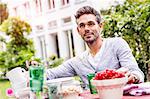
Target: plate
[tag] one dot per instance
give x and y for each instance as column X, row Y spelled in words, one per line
column 64, row 79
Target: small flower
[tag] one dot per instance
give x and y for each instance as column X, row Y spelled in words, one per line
column 9, row 92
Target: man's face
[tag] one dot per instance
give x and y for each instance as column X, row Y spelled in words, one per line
column 88, row 27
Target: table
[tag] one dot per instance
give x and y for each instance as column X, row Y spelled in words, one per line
column 87, row 95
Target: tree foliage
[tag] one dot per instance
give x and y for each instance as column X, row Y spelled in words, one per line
column 132, row 22
column 19, row 48
column 3, row 12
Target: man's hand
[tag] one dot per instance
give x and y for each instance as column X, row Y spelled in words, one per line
column 132, row 78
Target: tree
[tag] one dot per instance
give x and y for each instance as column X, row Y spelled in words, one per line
column 3, row 12
column 132, row 22
column 19, row 48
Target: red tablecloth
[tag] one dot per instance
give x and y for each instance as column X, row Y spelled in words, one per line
column 87, row 95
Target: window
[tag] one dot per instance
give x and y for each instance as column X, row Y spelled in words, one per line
column 79, row 1
column 66, row 20
column 39, row 27
column 42, row 44
column 51, row 4
column 27, row 9
column 38, row 6
column 52, row 24
column 64, row 2
column 15, row 11
column 55, row 43
column 70, row 43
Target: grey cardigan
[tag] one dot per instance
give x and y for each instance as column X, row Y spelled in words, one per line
column 115, row 53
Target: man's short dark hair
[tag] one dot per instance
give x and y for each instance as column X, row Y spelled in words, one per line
column 88, row 10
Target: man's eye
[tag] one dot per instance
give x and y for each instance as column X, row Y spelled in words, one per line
column 81, row 25
column 91, row 24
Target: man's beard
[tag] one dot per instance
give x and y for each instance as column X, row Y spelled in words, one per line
column 91, row 41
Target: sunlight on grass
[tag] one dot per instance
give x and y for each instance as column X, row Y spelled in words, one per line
column 4, row 84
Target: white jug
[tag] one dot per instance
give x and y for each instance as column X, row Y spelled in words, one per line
column 16, row 75
column 18, row 80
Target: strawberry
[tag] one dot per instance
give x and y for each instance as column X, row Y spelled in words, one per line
column 108, row 74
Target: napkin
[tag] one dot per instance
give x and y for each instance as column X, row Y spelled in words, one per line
column 137, row 89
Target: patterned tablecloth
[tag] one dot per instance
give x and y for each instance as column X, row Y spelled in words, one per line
column 87, row 95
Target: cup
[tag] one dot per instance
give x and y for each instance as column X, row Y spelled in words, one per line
column 53, row 90
column 91, row 87
column 36, row 78
column 16, row 75
column 55, row 86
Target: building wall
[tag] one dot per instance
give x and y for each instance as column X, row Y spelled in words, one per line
column 54, row 30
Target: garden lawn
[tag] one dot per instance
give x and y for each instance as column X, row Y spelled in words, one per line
column 4, row 84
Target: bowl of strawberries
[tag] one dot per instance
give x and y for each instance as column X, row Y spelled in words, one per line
column 109, row 84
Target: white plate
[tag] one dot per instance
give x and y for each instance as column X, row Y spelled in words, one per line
column 64, row 79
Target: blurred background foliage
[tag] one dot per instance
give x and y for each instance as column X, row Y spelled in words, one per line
column 132, row 22
column 19, row 48
column 54, row 61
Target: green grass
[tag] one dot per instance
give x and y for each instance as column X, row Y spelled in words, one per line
column 4, row 84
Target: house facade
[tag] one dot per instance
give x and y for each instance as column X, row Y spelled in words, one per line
column 53, row 24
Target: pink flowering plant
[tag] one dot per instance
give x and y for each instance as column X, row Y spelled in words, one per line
column 9, row 92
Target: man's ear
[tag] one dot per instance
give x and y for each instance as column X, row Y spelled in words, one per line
column 101, row 25
column 78, row 30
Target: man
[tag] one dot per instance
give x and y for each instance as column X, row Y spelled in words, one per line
column 112, row 53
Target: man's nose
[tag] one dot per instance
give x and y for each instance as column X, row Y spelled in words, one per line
column 86, row 27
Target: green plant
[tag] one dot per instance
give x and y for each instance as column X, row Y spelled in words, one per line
column 132, row 22
column 18, row 48
column 54, row 61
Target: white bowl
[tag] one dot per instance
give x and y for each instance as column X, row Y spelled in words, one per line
column 110, row 88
